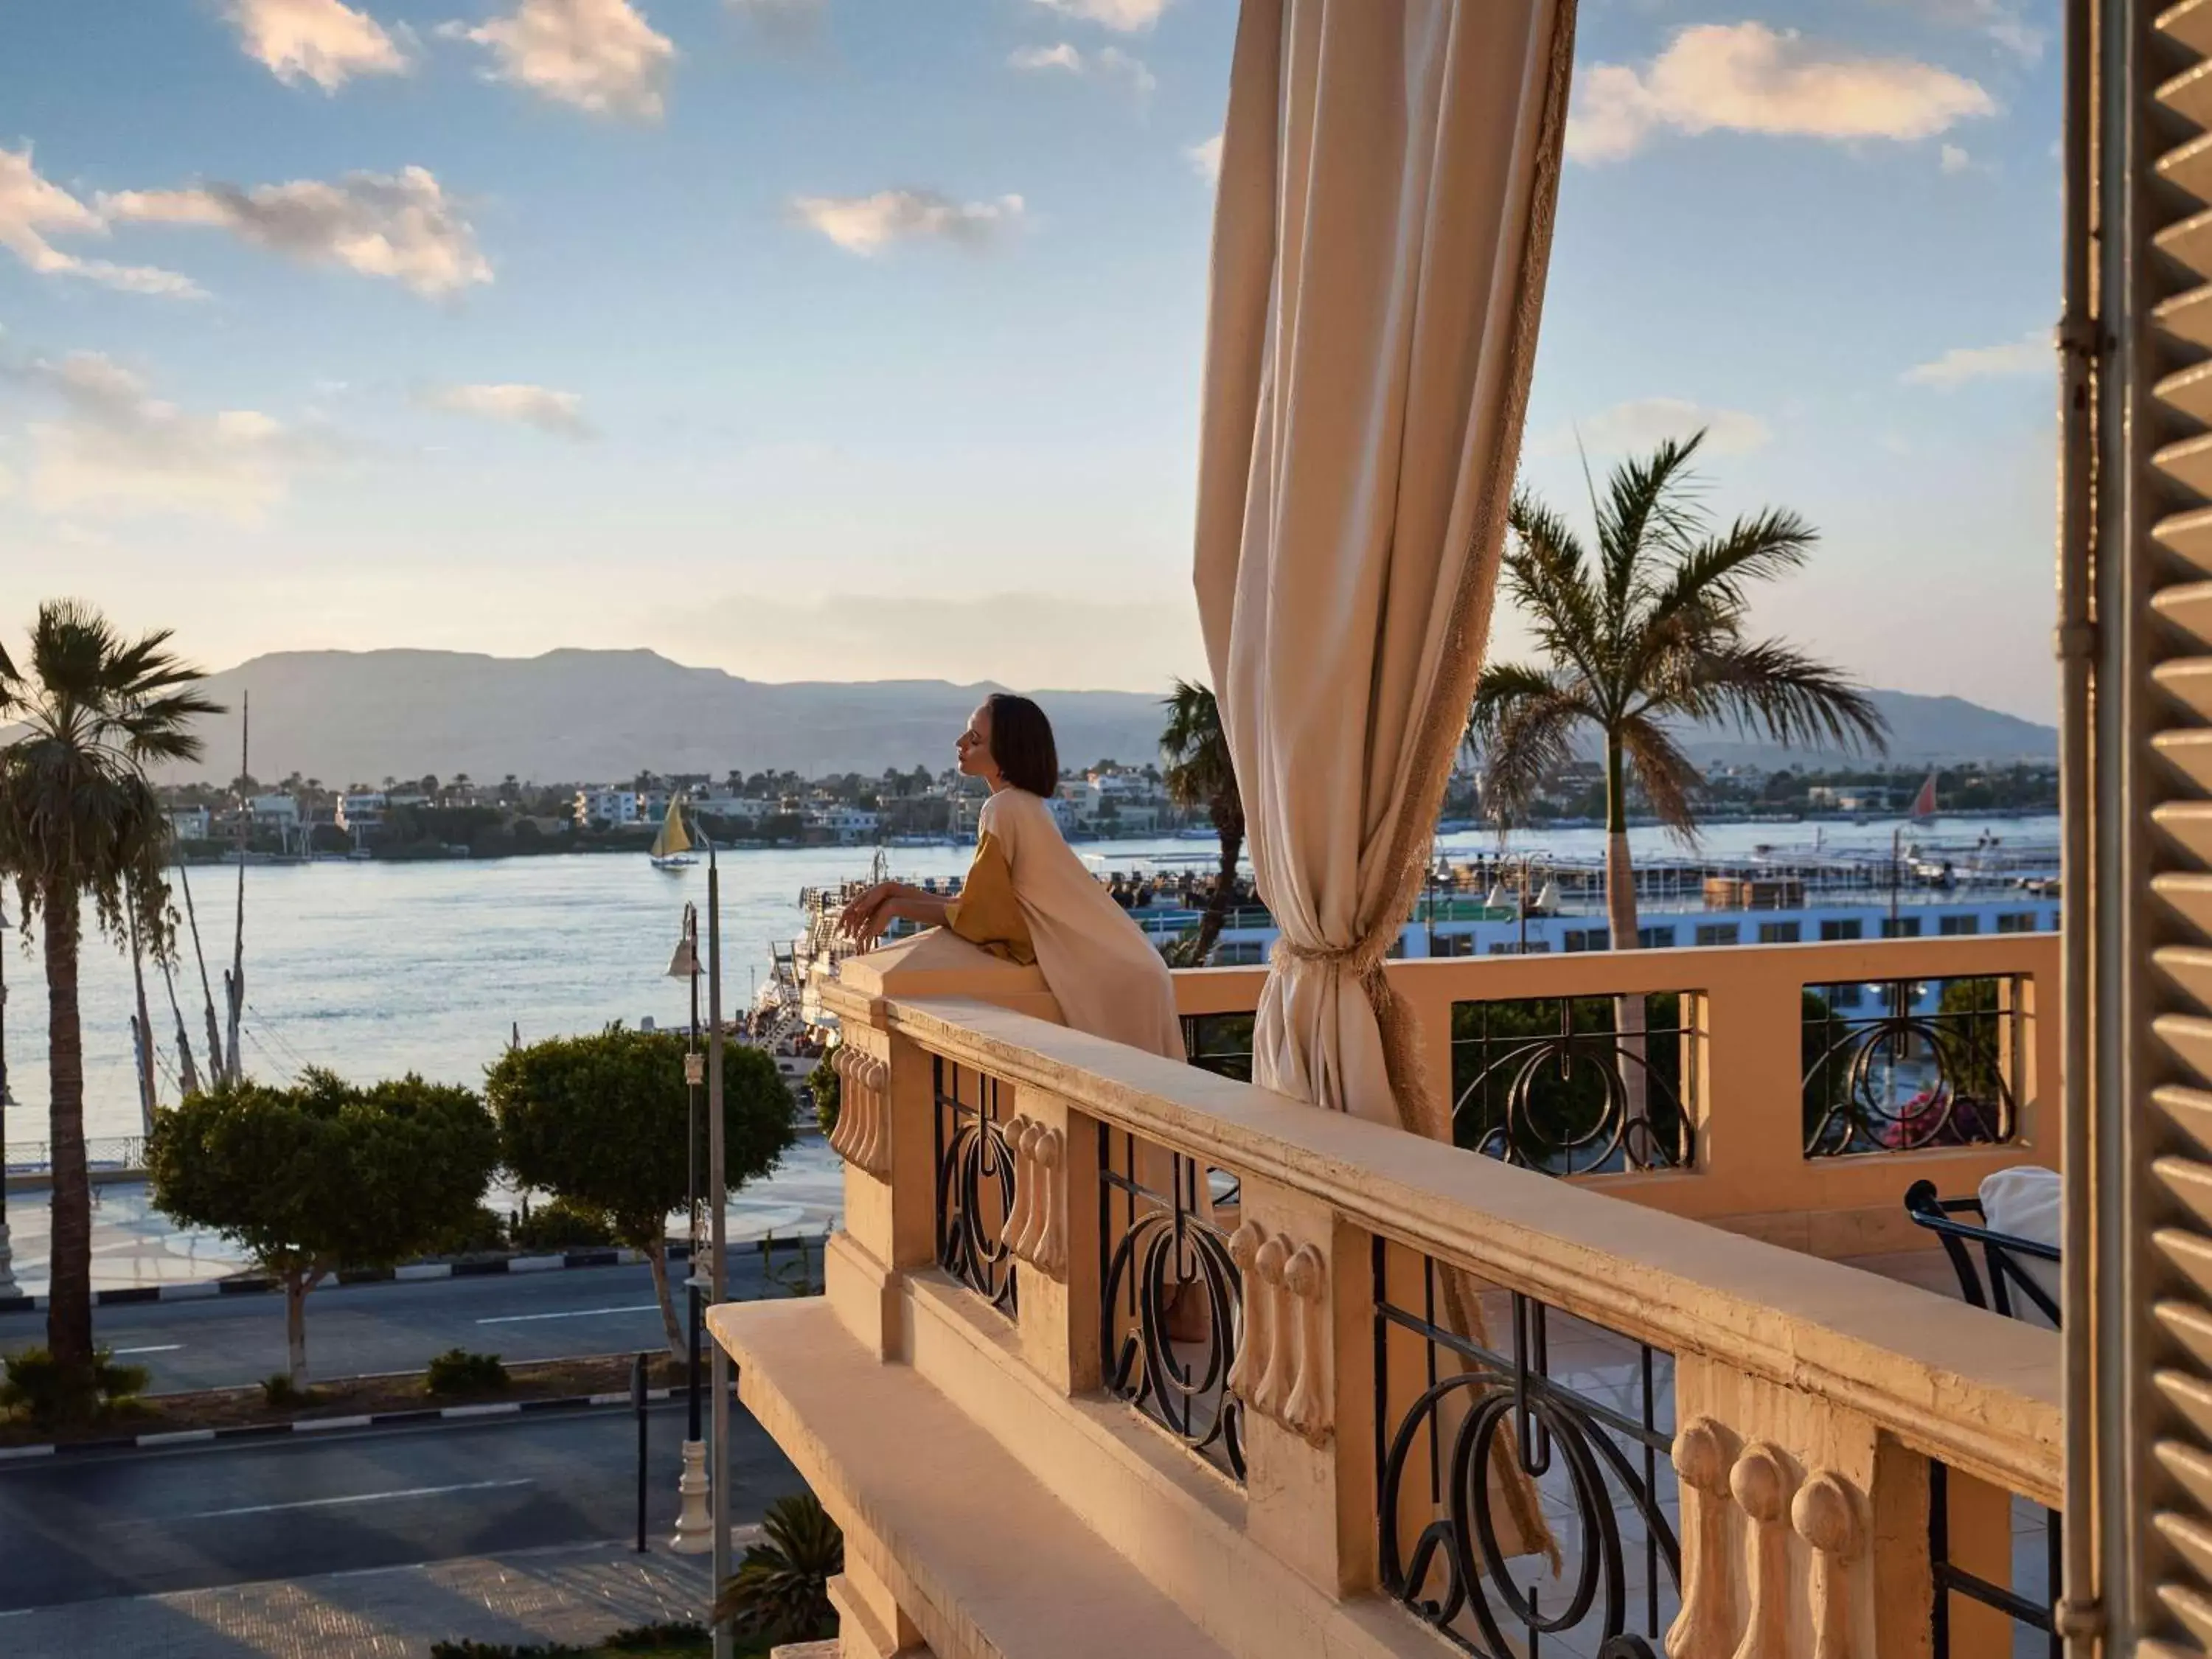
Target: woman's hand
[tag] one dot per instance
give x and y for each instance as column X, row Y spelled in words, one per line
column 864, row 918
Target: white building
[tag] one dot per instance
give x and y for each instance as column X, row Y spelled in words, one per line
column 848, row 825
column 612, row 807
column 190, row 822
column 736, row 809
column 359, row 809
column 275, row 812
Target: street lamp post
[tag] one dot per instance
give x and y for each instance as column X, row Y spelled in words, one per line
column 718, row 1271
column 7, row 1289
column 694, row 1522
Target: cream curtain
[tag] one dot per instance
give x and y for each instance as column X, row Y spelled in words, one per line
column 1388, row 172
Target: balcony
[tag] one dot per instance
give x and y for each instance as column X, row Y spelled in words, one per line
column 1123, row 1355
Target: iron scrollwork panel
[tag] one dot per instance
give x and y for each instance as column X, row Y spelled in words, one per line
column 975, row 1183
column 1479, row 1419
column 1171, row 1303
column 1935, row 1063
column 1557, row 1084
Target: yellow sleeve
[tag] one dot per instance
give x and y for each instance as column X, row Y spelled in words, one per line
column 986, row 913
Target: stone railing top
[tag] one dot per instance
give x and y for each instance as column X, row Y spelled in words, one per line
column 1979, row 1392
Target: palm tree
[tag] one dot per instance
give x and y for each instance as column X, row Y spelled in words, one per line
column 1199, row 773
column 781, row 1589
column 78, row 818
column 1649, row 634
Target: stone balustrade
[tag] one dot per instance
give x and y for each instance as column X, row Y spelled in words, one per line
column 1120, row 1354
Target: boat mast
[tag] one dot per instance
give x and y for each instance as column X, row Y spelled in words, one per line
column 188, row 1073
column 234, row 983
column 142, row 1026
column 207, row 991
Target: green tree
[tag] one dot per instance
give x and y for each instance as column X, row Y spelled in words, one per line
column 605, row 1121
column 78, row 819
column 1201, row 773
column 323, row 1175
column 1649, row 633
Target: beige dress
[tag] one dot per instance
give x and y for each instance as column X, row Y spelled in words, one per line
column 1030, row 899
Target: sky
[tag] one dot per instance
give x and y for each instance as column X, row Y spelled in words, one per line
column 859, row 339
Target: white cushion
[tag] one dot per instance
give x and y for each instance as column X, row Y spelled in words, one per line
column 2023, row 1201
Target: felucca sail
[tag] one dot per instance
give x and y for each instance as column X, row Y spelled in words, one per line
column 672, row 838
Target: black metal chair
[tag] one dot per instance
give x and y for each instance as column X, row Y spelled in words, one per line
column 1628, row 1647
column 2001, row 1277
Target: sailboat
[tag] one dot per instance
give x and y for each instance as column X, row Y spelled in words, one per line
column 672, row 848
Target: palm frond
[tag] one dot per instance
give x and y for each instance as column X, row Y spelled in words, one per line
column 1781, row 693
column 1712, row 575
column 1669, row 779
column 1546, row 576
column 1522, row 729
column 1648, row 511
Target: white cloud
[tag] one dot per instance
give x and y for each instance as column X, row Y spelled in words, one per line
column 1631, row 427
column 118, row 451
column 2031, row 354
column 866, row 224
column 1206, row 158
column 1747, row 77
column 1954, row 159
column 600, row 55
column 402, row 225
column 560, row 413
column 1128, row 16
column 7, row 483
column 1108, row 63
column 324, row 41
column 33, row 209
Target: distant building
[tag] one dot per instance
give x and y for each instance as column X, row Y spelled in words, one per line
column 190, row 822
column 609, row 808
column 1851, row 798
column 275, row 812
column 739, row 809
column 847, row 824
column 359, row 810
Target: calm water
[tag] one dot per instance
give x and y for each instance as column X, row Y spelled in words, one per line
column 375, row 969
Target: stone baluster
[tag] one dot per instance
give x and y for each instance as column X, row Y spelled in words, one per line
column 1712, row 1616
column 840, row 1137
column 1051, row 1247
column 1826, row 1515
column 1274, row 1384
column 1763, row 1482
column 1015, row 1231
column 1309, row 1410
column 1258, row 1338
column 876, row 1156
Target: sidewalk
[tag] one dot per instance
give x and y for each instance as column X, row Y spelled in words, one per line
column 578, row 1593
column 134, row 1246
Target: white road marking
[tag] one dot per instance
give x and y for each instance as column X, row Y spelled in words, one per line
column 358, row 1498
column 576, row 1313
column 166, row 1347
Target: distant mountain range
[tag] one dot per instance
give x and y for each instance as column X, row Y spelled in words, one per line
column 345, row 716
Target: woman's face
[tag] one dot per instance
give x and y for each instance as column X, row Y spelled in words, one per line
column 974, row 747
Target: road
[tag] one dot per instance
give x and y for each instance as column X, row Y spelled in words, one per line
column 91, row 1525
column 357, row 1330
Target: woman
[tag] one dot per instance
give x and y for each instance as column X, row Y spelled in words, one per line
column 1029, row 899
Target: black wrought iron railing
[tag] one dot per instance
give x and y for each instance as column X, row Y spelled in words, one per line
column 1556, row 1084
column 2026, row 1603
column 1905, row 1065
column 976, row 1181
column 1526, row 1496
column 1171, row 1299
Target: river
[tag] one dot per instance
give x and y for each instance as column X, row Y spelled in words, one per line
column 373, row 969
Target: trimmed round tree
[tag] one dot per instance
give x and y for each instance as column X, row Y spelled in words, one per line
column 323, row 1175
column 604, row 1121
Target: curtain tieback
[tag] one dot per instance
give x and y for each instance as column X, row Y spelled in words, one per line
column 1363, row 957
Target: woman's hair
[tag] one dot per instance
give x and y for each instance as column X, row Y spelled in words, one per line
column 1022, row 745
